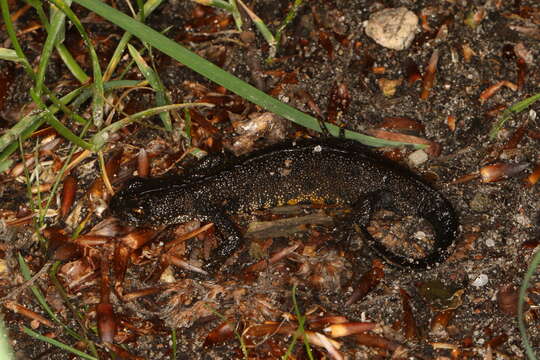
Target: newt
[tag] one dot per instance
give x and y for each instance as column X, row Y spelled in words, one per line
column 329, row 171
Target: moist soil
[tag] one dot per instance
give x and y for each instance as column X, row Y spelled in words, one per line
column 464, row 308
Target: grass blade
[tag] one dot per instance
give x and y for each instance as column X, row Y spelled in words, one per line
column 72, row 64
column 101, row 137
column 6, row 353
column 55, row 29
column 509, row 112
column 220, row 4
column 266, row 33
column 522, row 293
column 9, row 55
column 155, row 83
column 236, row 15
column 13, row 37
column 25, row 271
column 288, row 19
column 98, row 101
column 148, row 8
column 58, row 344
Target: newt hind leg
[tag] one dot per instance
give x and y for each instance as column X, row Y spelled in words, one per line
column 358, row 221
column 363, row 211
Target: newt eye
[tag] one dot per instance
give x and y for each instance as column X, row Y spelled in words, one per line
column 138, row 210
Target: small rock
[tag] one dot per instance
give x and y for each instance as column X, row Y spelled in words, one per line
column 523, row 220
column 392, row 28
column 418, row 157
column 167, row 276
column 389, row 86
column 480, row 281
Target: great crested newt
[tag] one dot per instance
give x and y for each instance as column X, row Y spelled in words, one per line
column 330, row 171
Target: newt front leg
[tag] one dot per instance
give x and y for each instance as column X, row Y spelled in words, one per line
column 229, row 238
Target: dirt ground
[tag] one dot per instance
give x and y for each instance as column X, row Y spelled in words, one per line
column 465, row 308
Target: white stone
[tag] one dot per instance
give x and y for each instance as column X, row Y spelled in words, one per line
column 418, row 157
column 392, row 28
column 480, row 281
column 523, row 220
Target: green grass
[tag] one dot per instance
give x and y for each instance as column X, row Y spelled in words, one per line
column 300, row 331
column 238, row 336
column 6, row 352
column 155, row 82
column 511, row 111
column 58, row 344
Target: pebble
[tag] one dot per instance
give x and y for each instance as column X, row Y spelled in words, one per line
column 392, row 28
column 480, row 281
column 417, row 158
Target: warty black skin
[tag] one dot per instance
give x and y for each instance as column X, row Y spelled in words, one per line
column 330, row 171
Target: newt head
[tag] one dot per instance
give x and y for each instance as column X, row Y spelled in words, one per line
column 153, row 201
column 127, row 204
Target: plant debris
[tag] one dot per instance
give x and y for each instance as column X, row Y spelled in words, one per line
column 439, row 75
